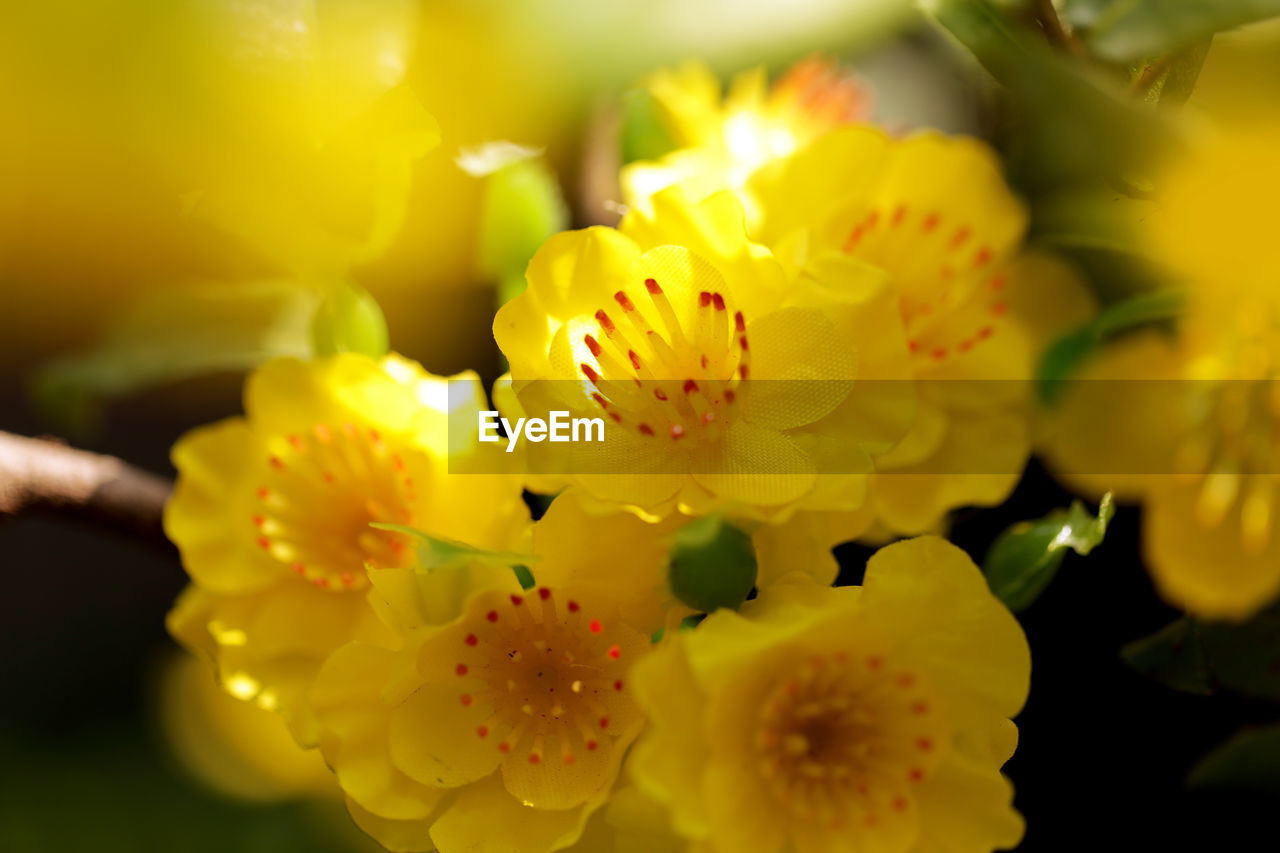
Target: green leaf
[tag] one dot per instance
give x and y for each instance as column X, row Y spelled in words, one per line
column 1172, row 656
column 1128, row 30
column 520, row 209
column 645, row 134
column 176, row 333
column 435, row 553
column 1072, row 126
column 1249, row 760
column 1207, row 657
column 1065, row 356
column 349, row 319
column 1179, row 81
column 1024, row 559
column 713, row 565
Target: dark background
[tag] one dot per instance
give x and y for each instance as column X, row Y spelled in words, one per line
column 1100, row 765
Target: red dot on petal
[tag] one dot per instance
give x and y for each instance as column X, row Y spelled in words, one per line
column 472, row 639
column 615, row 652
column 461, row 669
column 617, row 685
column 466, row 699
column 534, row 758
column 573, row 607
column 492, row 616
column 544, row 593
column 604, row 722
column 517, row 600
column 924, row 744
column 504, row 747
column 482, row 731
column 591, row 746
column 595, row 626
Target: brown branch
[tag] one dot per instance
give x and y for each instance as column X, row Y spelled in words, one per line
column 1057, row 35
column 44, row 476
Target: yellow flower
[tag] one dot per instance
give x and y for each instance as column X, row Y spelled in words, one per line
column 658, row 325
column 721, row 141
column 1188, row 423
column 934, row 215
column 271, row 514
column 231, row 746
column 820, row 719
column 498, row 719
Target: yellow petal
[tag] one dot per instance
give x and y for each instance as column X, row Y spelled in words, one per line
column 433, row 739
column 667, row 763
column 211, row 500
column 1203, row 568
column 288, row 395
column 713, row 229
column 398, row 836
column 1118, row 424
column 803, row 367
column 933, row 602
column 355, row 738
column 759, row 467
column 484, row 818
column 803, row 545
column 966, row 805
column 795, row 193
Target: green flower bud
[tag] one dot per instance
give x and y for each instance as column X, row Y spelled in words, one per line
column 713, row 565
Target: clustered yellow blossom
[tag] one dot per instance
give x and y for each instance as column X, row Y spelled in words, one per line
column 853, row 718
column 721, row 140
column 1187, row 422
column 804, row 328
column 932, row 214
column 272, row 515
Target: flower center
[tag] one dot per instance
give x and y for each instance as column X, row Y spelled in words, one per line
column 552, row 675
column 844, row 739
column 950, row 300
column 317, row 497
column 662, row 377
